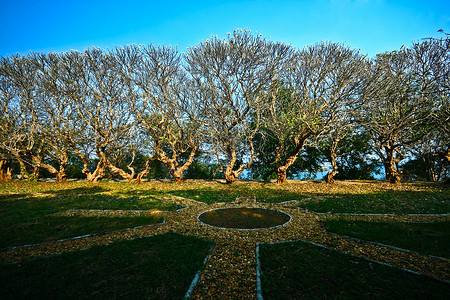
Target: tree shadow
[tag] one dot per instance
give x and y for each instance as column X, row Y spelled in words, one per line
column 79, row 191
column 12, row 197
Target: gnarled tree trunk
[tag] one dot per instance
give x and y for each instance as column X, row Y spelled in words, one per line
column 174, row 168
column 392, row 174
column 60, row 173
column 5, row 175
column 333, row 172
column 118, row 171
column 143, row 173
column 177, row 172
column 281, row 169
column 230, row 175
column 332, row 153
column 99, row 171
column 233, row 175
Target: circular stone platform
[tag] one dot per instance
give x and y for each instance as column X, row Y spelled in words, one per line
column 244, row 218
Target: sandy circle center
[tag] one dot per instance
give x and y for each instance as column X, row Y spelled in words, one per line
column 244, row 218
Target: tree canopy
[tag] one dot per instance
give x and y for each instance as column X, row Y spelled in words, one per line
column 242, row 105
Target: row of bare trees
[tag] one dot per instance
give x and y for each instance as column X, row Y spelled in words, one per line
column 106, row 107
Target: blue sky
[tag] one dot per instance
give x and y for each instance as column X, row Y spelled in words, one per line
column 374, row 26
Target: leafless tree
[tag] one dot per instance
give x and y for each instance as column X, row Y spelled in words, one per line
column 21, row 136
column 438, row 53
column 317, row 92
column 404, row 93
column 231, row 76
column 53, row 113
column 110, row 105
column 8, row 116
column 104, row 115
column 163, row 102
column 432, row 67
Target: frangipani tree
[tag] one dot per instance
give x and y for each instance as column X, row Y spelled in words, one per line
column 163, row 102
column 317, row 92
column 406, row 89
column 104, row 114
column 21, row 135
column 231, row 76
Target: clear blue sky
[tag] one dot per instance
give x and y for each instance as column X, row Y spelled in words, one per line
column 374, row 26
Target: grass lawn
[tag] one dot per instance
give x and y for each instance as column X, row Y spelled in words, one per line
column 158, row 267
column 26, row 210
column 164, row 265
column 52, row 228
column 426, row 238
column 339, row 198
column 431, row 201
column 303, row 271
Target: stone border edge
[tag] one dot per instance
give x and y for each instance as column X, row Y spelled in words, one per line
column 198, row 275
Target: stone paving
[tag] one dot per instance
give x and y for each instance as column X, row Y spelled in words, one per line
column 230, row 271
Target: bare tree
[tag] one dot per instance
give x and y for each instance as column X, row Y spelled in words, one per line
column 318, row 91
column 403, row 94
column 432, row 58
column 8, row 115
column 162, row 101
column 231, row 76
column 439, row 50
column 104, row 114
column 20, row 130
column 53, row 113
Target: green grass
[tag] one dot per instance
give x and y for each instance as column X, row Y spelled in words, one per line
column 304, row 271
column 426, row 238
column 144, row 267
column 26, row 207
column 26, row 210
column 52, row 228
column 382, row 202
column 159, row 267
column 338, row 198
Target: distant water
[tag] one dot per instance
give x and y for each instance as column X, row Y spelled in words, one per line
column 305, row 175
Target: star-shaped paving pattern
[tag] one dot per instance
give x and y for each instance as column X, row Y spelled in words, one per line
column 231, row 268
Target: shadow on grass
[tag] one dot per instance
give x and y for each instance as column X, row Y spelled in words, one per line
column 158, row 267
column 53, row 228
column 300, row 270
column 327, row 198
column 12, row 197
column 28, row 218
column 426, row 238
column 90, row 190
column 381, row 202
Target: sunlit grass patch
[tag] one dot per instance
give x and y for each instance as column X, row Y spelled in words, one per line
column 209, row 194
column 159, row 267
column 381, row 202
column 126, row 203
column 426, row 238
